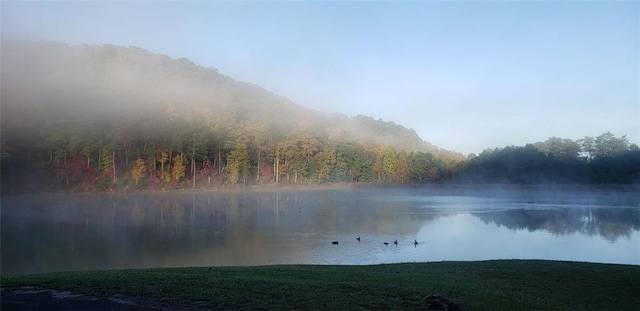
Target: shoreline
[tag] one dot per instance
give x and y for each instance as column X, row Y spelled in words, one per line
column 20, row 275
column 349, row 186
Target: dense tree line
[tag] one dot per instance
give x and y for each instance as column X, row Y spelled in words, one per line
column 603, row 159
column 181, row 153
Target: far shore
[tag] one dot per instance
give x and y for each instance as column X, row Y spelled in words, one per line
column 348, row 186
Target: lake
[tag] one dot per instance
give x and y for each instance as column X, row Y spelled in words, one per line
column 47, row 233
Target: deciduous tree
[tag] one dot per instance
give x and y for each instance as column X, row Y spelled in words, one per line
column 138, row 170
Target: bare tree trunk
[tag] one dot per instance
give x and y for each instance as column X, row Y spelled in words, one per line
column 219, row 161
column 193, row 169
column 193, row 161
column 126, row 153
column 276, row 167
column 113, row 163
column 169, row 162
column 100, row 154
column 258, row 170
column 286, row 161
column 66, row 170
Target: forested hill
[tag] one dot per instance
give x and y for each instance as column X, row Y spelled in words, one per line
column 113, row 81
column 87, row 118
column 106, row 117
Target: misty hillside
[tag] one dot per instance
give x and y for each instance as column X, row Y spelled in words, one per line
column 107, row 117
column 53, row 82
column 87, row 118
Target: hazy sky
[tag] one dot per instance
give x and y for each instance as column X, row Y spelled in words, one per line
column 465, row 75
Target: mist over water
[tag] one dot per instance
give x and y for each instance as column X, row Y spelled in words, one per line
column 87, row 232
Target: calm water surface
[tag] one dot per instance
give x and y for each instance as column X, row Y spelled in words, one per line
column 86, row 232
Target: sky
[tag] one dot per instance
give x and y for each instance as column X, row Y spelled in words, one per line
column 466, row 76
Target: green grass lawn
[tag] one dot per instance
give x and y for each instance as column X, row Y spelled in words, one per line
column 485, row 285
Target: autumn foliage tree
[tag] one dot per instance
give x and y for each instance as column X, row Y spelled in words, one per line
column 138, row 170
column 178, row 170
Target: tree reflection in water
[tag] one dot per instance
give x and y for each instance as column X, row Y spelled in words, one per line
column 80, row 232
column 610, row 223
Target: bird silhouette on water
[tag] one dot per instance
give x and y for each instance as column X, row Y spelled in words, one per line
column 334, row 242
column 385, row 243
column 358, row 239
column 395, row 242
column 415, row 243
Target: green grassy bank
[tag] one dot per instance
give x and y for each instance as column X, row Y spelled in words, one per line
column 487, row 285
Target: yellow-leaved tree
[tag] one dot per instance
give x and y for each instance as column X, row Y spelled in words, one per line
column 179, row 169
column 137, row 171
